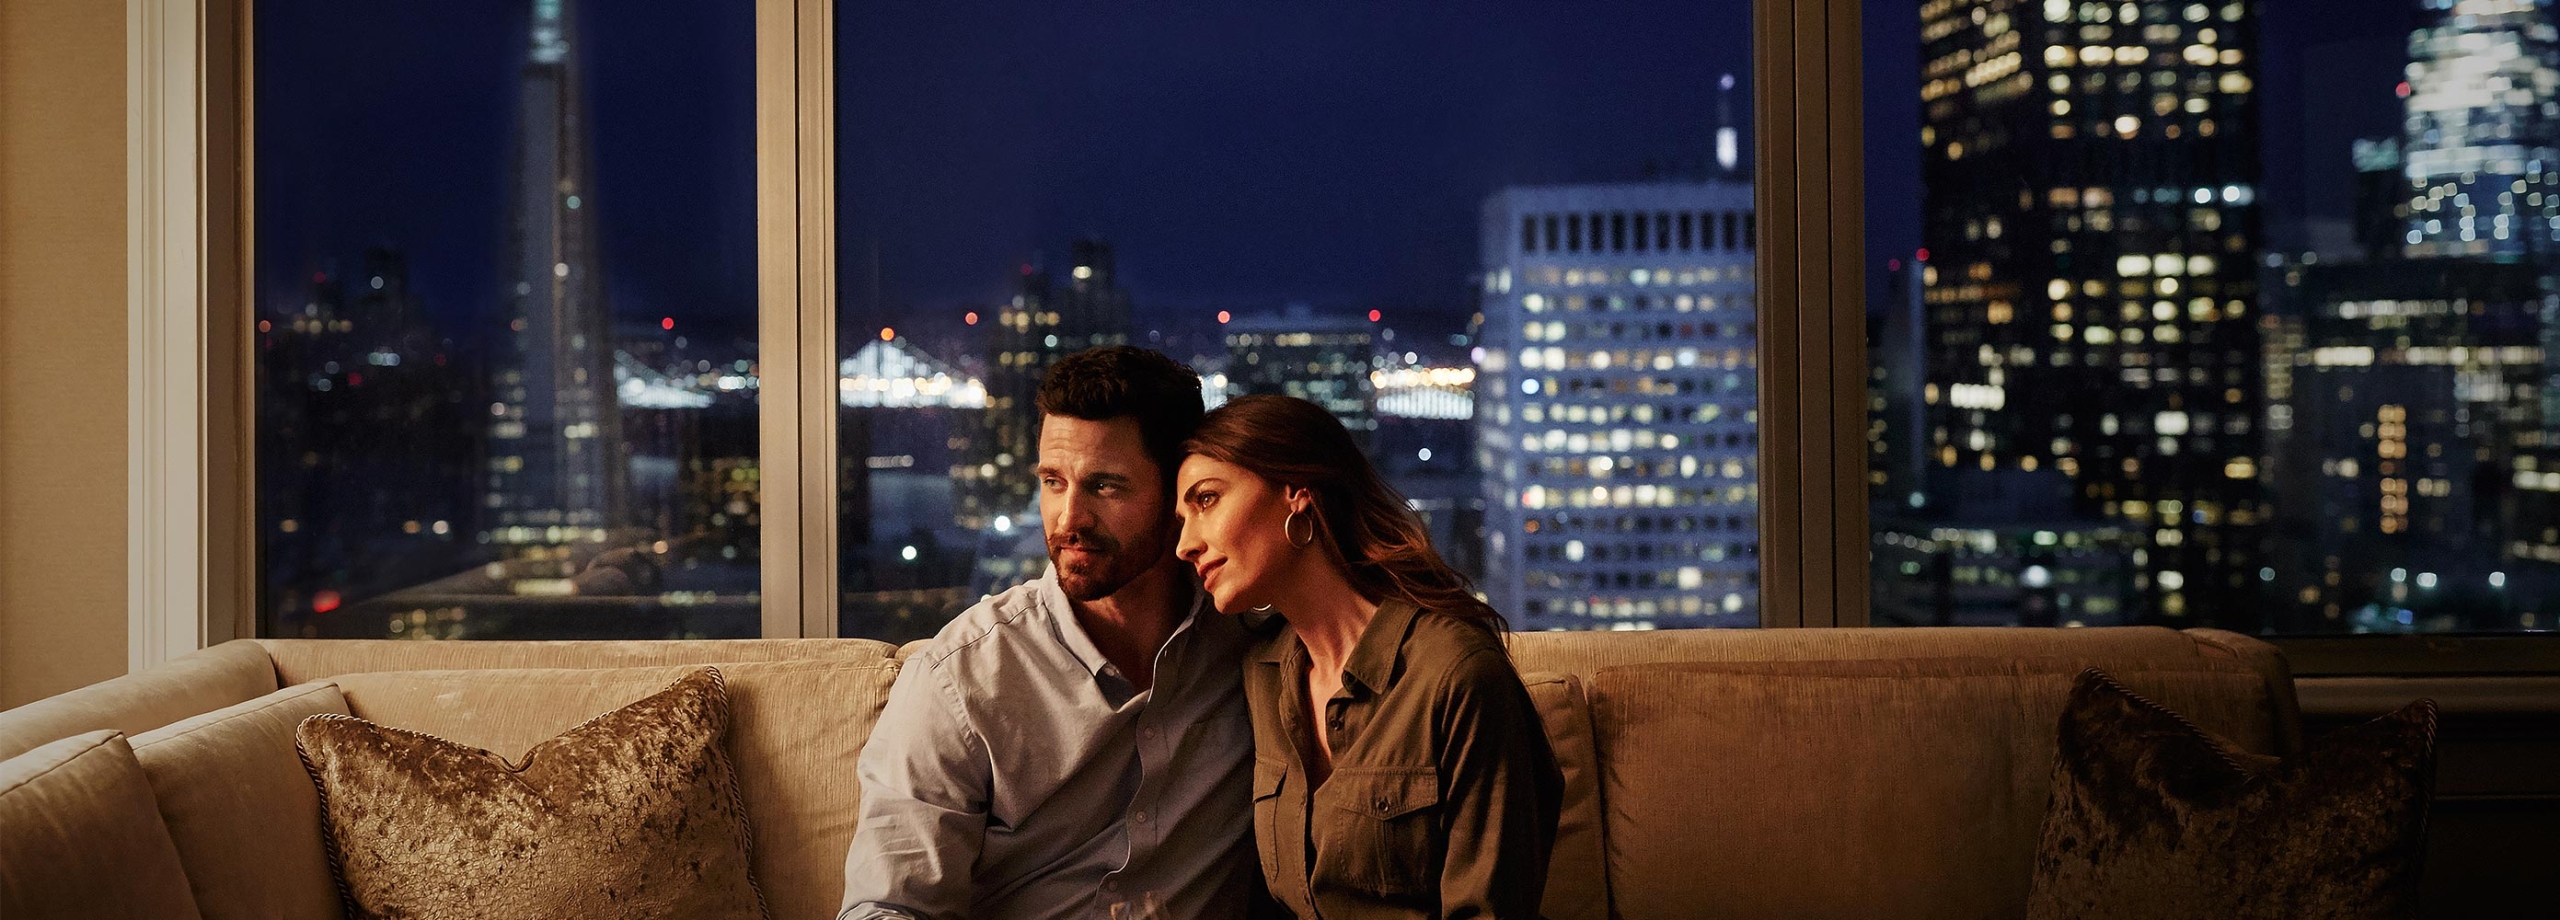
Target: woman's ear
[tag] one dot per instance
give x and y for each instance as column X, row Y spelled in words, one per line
column 1298, row 498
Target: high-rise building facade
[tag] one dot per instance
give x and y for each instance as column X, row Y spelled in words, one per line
column 2482, row 137
column 1045, row 320
column 2090, row 221
column 1616, row 403
column 2406, row 420
column 1897, row 436
column 2410, row 394
column 556, row 470
column 1326, row 360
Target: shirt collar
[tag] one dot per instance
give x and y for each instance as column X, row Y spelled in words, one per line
column 1070, row 631
column 1373, row 660
column 1274, row 637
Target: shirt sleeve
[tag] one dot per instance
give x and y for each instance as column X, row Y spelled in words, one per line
column 926, row 788
column 1501, row 793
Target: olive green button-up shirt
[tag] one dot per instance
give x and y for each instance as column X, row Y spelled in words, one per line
column 1443, row 797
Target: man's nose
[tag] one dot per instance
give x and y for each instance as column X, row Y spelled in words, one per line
column 1072, row 510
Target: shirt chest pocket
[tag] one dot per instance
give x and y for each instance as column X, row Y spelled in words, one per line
column 1378, row 829
column 1267, row 778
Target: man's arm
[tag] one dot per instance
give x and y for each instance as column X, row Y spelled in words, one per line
column 926, row 785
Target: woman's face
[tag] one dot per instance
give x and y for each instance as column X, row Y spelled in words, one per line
column 1233, row 531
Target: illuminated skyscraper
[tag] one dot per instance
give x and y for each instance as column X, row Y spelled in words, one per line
column 2405, row 418
column 1043, row 322
column 2483, row 132
column 1325, row 360
column 1617, row 405
column 556, row 466
column 2091, row 175
column 2409, row 399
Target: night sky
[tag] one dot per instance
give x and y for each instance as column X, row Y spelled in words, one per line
column 1237, row 158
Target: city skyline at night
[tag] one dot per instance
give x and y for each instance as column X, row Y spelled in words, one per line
column 2104, row 316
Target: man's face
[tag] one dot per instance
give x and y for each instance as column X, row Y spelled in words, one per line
column 1102, row 504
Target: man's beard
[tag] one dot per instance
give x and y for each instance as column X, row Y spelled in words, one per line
column 1107, row 567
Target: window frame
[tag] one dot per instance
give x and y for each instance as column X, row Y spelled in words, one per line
column 191, row 229
column 191, row 226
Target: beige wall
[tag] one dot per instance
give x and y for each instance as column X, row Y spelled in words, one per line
column 62, row 346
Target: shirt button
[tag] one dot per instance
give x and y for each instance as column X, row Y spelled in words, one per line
column 1140, row 817
column 1147, row 733
column 1382, row 804
column 1110, row 885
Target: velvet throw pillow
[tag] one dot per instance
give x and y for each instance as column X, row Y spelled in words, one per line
column 2152, row 817
column 634, row 814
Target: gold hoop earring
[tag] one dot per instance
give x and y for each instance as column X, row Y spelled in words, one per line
column 1289, row 530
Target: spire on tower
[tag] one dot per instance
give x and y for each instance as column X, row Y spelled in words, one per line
column 1728, row 141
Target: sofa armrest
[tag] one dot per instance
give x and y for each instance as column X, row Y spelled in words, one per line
column 2269, row 662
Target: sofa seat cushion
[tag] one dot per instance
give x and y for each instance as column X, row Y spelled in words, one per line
column 1577, row 870
column 244, row 816
column 2153, row 817
column 798, row 729
column 634, row 813
column 1873, row 788
column 80, row 836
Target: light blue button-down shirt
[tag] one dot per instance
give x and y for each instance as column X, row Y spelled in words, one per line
column 1016, row 773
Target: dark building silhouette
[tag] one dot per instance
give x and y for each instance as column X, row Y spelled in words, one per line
column 557, row 477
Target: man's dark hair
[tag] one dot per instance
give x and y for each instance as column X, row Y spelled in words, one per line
column 1113, row 381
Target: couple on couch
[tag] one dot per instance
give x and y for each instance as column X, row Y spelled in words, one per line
column 1246, row 684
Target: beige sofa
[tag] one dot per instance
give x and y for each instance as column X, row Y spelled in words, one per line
column 1780, row 773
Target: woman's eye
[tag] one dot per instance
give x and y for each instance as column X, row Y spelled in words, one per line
column 1205, row 499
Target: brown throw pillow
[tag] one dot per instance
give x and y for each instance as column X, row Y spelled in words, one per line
column 634, row 814
column 2151, row 817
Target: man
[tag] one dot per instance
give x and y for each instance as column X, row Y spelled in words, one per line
column 1077, row 746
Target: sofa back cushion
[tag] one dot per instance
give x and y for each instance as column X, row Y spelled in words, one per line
column 300, row 660
column 797, row 728
column 1585, row 653
column 191, row 684
column 1577, row 870
column 244, row 816
column 80, row 836
column 1878, row 788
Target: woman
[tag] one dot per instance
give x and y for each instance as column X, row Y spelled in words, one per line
column 1399, row 770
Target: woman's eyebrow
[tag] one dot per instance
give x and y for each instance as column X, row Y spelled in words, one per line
column 1193, row 491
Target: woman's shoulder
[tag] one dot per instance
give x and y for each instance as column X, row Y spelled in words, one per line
column 1467, row 647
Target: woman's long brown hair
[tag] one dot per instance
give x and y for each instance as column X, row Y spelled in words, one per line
column 1364, row 523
